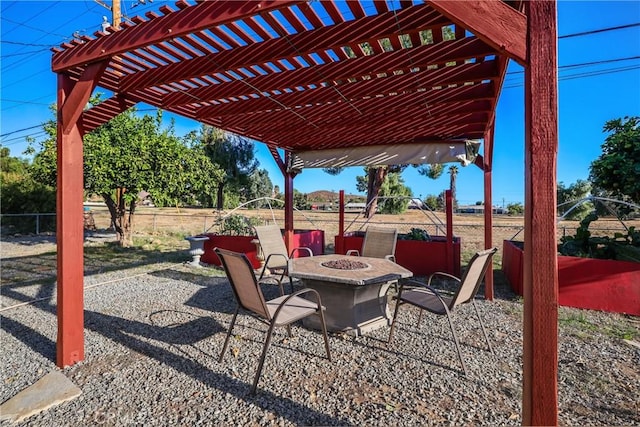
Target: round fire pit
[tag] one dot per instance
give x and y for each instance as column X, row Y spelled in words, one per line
column 344, row 264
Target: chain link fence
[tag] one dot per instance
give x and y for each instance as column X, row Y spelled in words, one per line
column 187, row 222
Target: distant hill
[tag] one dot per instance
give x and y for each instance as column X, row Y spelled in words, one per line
column 328, row 196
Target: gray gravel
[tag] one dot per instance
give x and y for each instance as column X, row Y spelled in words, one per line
column 154, row 332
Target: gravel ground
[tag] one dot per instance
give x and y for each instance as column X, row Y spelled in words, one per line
column 154, row 332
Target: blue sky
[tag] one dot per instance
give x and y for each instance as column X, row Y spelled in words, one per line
column 599, row 81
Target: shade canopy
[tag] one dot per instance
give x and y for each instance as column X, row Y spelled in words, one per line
column 463, row 152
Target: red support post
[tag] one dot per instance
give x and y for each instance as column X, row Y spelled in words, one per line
column 340, row 240
column 69, row 234
column 288, row 207
column 449, row 207
column 488, row 208
column 540, row 272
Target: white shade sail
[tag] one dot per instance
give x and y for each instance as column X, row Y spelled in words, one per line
column 462, row 151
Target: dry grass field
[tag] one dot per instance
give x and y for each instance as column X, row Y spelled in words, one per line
column 179, row 222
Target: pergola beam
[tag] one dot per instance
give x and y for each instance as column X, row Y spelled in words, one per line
column 172, row 25
column 495, row 22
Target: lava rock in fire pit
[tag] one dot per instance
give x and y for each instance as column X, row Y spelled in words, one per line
column 344, row 264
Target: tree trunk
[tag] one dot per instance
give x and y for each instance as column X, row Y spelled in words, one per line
column 220, row 197
column 120, row 221
column 376, row 177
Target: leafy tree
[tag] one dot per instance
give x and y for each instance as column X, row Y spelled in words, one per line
column 127, row 155
column 300, row 200
column 617, row 170
column 573, row 193
column 234, row 155
column 433, row 171
column 372, row 183
column 22, row 194
column 515, row 208
column 393, row 186
column 259, row 185
column 12, row 165
column 432, row 202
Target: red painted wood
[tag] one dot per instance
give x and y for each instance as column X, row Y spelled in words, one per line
column 69, row 233
column 420, row 56
column 79, row 96
column 451, row 264
column 594, row 284
column 288, row 207
column 312, row 239
column 540, row 287
column 421, row 257
column 105, row 111
column 332, row 37
column 198, row 17
column 495, row 22
column 339, row 249
column 488, row 208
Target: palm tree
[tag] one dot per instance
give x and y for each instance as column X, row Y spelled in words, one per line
column 453, row 173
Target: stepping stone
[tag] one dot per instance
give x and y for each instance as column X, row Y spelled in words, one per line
column 50, row 390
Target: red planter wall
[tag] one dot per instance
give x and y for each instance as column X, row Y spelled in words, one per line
column 596, row 284
column 421, row 257
column 312, row 239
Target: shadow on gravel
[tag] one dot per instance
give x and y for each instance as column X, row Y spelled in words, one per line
column 123, row 331
column 31, row 337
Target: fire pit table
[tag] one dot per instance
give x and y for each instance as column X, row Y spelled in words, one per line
column 353, row 289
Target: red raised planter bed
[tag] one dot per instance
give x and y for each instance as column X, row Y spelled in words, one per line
column 420, row 257
column 312, row 239
column 596, row 284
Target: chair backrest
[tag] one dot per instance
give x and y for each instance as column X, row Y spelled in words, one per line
column 472, row 278
column 271, row 242
column 379, row 242
column 243, row 282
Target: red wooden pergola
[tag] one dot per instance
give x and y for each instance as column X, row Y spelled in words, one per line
column 300, row 76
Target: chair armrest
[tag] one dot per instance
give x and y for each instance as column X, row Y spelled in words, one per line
column 296, row 294
column 353, row 252
column 391, row 258
column 301, row 249
column 416, row 284
column 443, row 274
column 266, row 265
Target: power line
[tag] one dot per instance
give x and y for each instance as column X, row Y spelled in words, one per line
column 31, row 52
column 602, row 30
column 19, row 130
column 40, row 30
column 25, row 44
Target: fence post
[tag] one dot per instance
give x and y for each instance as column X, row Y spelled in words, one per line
column 37, row 224
column 154, row 223
column 204, row 226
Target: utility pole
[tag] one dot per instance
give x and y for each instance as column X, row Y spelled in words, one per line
column 116, row 14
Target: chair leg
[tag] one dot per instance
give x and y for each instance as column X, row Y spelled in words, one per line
column 324, row 333
column 291, row 284
column 226, row 340
column 393, row 321
column 455, row 340
column 263, row 356
column 484, row 332
column 420, row 311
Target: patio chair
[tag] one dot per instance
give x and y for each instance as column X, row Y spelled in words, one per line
column 281, row 311
column 425, row 297
column 275, row 255
column 379, row 242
